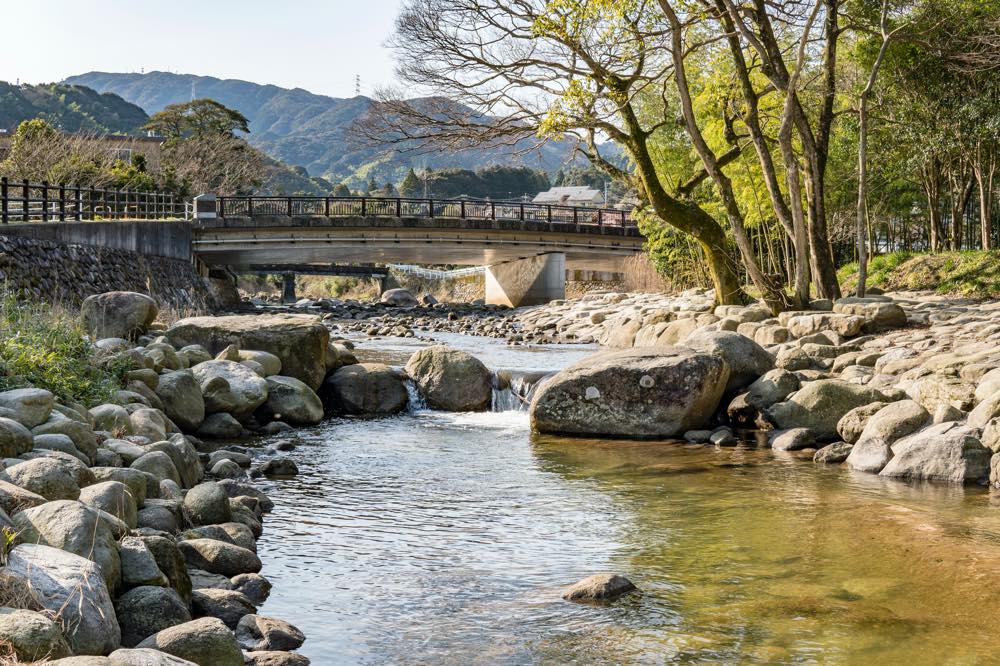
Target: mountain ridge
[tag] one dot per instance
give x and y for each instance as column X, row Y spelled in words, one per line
column 311, row 130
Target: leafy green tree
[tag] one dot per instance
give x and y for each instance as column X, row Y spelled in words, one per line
column 200, row 117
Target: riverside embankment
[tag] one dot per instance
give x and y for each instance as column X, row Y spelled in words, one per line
column 411, row 513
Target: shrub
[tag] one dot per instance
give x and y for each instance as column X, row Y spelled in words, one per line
column 45, row 347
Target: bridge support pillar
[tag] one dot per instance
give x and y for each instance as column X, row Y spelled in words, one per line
column 288, row 288
column 529, row 281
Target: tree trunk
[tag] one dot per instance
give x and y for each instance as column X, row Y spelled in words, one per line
column 931, row 181
column 985, row 170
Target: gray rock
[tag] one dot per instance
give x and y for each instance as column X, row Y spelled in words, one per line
column 948, row 452
column 146, row 657
column 299, row 341
column 112, row 418
column 398, row 298
column 256, row 588
column 290, row 400
column 219, row 557
column 143, row 611
column 226, row 469
column 158, row 518
column 71, row 586
column 78, row 529
column 46, row 477
column 202, row 580
column 230, row 387
column 227, row 605
column 182, row 401
column 134, row 479
column 451, row 379
column 205, row 641
column 31, row 406
column 258, row 632
column 207, row 504
column 14, row 498
column 118, row 314
column 772, row 387
column 795, row 439
column 894, row 421
column 640, row 393
column 15, row 439
column 833, row 454
column 235, row 533
column 851, row 424
column 820, row 405
column 220, row 426
column 170, row 561
column 365, row 389
column 149, row 422
column 599, row 587
column 114, row 497
column 31, row 636
column 159, row 465
column 275, row 658
column 279, row 467
column 139, row 566
column 59, row 443
column 746, row 359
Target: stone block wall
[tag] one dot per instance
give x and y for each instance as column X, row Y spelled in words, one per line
column 63, row 273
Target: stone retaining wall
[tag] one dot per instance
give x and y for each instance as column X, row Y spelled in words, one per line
column 41, row 270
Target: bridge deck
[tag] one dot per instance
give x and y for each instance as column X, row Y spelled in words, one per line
column 312, row 239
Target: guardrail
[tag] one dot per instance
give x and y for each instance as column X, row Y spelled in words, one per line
column 432, row 274
column 465, row 209
column 23, row 201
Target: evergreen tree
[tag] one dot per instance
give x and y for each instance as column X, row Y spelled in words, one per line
column 411, row 186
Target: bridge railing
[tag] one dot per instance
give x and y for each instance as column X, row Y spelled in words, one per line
column 465, row 209
column 23, row 201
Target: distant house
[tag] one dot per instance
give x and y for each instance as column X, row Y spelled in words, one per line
column 119, row 146
column 570, row 196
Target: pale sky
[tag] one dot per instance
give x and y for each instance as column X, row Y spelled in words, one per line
column 319, row 45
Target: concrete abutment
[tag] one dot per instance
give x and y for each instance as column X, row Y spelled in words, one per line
column 527, row 281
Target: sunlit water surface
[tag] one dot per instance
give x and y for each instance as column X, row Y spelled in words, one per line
column 446, row 538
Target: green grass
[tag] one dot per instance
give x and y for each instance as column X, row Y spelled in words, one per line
column 972, row 273
column 44, row 347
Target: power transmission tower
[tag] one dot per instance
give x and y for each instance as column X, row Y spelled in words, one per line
column 357, row 85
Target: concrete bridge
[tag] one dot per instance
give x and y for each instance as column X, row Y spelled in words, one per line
column 526, row 248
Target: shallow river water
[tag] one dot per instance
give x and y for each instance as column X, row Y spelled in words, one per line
column 446, row 538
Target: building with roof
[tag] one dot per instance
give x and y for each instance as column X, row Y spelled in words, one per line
column 570, row 196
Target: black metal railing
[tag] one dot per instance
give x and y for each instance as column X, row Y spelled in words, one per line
column 22, row 201
column 465, row 209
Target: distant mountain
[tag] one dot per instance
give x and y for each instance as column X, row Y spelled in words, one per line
column 309, row 130
column 71, row 108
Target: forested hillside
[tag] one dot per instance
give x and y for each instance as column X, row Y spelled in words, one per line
column 314, row 131
column 71, row 108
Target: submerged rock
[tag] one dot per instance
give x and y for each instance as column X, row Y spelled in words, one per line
column 638, row 393
column 599, row 587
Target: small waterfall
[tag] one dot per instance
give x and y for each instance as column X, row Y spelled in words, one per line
column 416, row 401
column 513, row 389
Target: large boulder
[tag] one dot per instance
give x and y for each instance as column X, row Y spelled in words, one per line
column 874, row 448
column 746, row 359
column 28, row 406
column 258, row 632
column 15, row 439
column 47, row 477
column 641, row 393
column 206, row 641
column 77, row 429
column 820, row 405
column 207, row 504
column 139, row 566
column 75, row 528
column 72, row 587
column 227, row 605
column 180, row 394
column 112, row 497
column 947, row 451
column 230, row 387
column 31, row 636
column 451, row 379
column 118, row 314
column 400, row 298
column 291, row 401
column 145, row 610
column 219, row 557
column 300, row 341
column 364, row 389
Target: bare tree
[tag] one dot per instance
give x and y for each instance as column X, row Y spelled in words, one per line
column 532, row 70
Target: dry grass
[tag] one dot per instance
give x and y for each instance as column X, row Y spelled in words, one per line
column 640, row 275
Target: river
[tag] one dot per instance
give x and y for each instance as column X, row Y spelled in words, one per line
column 447, row 538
